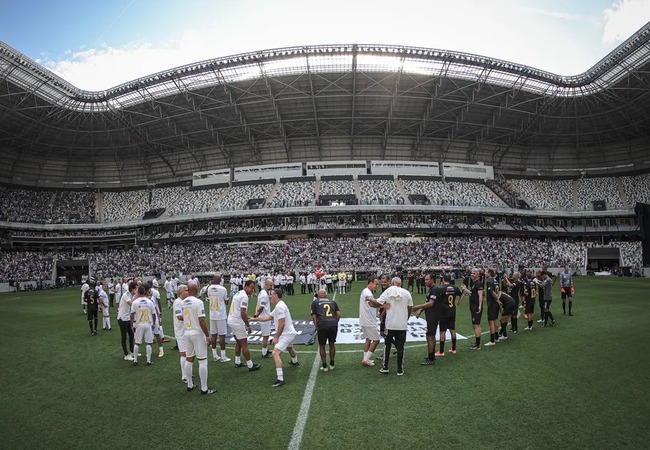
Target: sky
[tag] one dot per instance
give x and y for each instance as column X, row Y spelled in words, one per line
column 97, row 45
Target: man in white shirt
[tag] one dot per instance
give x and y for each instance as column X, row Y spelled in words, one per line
column 262, row 310
column 285, row 333
column 84, row 288
column 124, row 318
column 303, row 283
column 218, row 301
column 179, row 327
column 368, row 308
column 196, row 338
column 111, row 292
column 169, row 292
column 157, row 327
column 399, row 305
column 143, row 316
column 238, row 322
column 118, row 292
column 106, row 318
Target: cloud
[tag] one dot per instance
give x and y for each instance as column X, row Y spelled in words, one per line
column 624, row 18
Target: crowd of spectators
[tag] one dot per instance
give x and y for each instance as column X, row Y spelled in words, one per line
column 351, row 254
column 50, row 207
column 636, row 189
column 196, row 202
column 475, row 194
column 294, row 194
column 435, row 191
column 125, row 206
column 379, row 192
column 533, row 193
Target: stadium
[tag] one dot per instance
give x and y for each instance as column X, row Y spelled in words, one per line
column 366, row 159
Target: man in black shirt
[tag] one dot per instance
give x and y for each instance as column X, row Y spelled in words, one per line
column 447, row 299
column 508, row 307
column 325, row 314
column 475, row 293
column 430, row 308
column 492, row 291
column 530, row 296
column 91, row 297
column 514, row 288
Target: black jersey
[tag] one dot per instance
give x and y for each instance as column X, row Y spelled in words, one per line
column 91, row 298
column 530, row 291
column 446, row 299
column 516, row 291
column 432, row 296
column 507, row 301
column 491, row 286
column 473, row 298
column 325, row 311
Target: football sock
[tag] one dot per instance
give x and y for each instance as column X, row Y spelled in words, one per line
column 432, row 356
column 478, row 341
column 365, row 356
column 188, row 374
column 564, row 307
column 331, row 363
column 162, row 333
column 160, row 348
column 324, row 364
column 492, row 335
column 203, row 374
column 530, row 324
column 136, row 348
column 453, row 343
column 265, row 350
column 570, row 305
column 280, row 374
column 294, row 359
column 369, row 358
column 515, row 325
column 108, row 323
column 442, row 346
column 95, row 322
column 149, row 350
column 183, row 360
column 223, row 354
column 550, row 314
column 249, row 363
column 90, row 324
column 237, row 359
column 214, row 353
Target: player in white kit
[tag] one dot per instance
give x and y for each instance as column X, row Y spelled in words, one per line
column 143, row 317
column 218, row 301
column 196, row 338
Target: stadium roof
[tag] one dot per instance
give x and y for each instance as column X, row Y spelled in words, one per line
column 326, row 102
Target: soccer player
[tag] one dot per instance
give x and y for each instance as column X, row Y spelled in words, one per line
column 91, row 299
column 530, row 297
column 325, row 314
column 169, row 291
column 84, row 287
column 238, row 322
column 143, row 317
column 263, row 309
column 448, row 297
column 547, row 284
column 103, row 305
column 475, row 305
column 399, row 307
column 179, row 327
column 368, row 308
column 492, row 293
column 431, row 309
column 154, row 296
column 196, row 337
column 124, row 319
column 566, row 287
column 540, row 294
column 514, row 288
column 218, row 298
column 508, row 307
column 285, row 333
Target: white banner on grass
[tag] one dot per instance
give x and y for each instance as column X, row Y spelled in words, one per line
column 350, row 331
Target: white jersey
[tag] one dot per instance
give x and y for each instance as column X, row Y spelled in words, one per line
column 263, row 301
column 102, row 295
column 144, row 311
column 240, row 300
column 118, row 292
column 155, row 298
column 168, row 286
column 193, row 310
column 367, row 314
column 281, row 311
column 125, row 288
column 84, row 288
column 124, row 308
column 217, row 295
column 179, row 325
column 399, row 299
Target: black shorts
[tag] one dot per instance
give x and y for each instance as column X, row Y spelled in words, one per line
column 530, row 307
column 327, row 334
column 433, row 320
column 92, row 314
column 508, row 310
column 547, row 304
column 476, row 316
column 566, row 293
column 493, row 311
column 447, row 323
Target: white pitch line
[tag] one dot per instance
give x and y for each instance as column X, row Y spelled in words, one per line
column 301, row 421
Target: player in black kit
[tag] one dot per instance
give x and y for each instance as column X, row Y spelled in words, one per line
column 530, row 296
column 492, row 291
column 431, row 309
column 514, row 288
column 92, row 300
column 475, row 292
column 325, row 314
column 448, row 298
column 508, row 307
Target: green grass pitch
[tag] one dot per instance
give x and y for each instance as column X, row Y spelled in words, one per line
column 580, row 384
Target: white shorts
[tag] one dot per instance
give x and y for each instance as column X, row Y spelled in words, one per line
column 180, row 342
column 371, row 333
column 266, row 328
column 105, row 312
column 238, row 330
column 143, row 333
column 219, row 327
column 195, row 345
column 170, row 295
column 286, row 341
